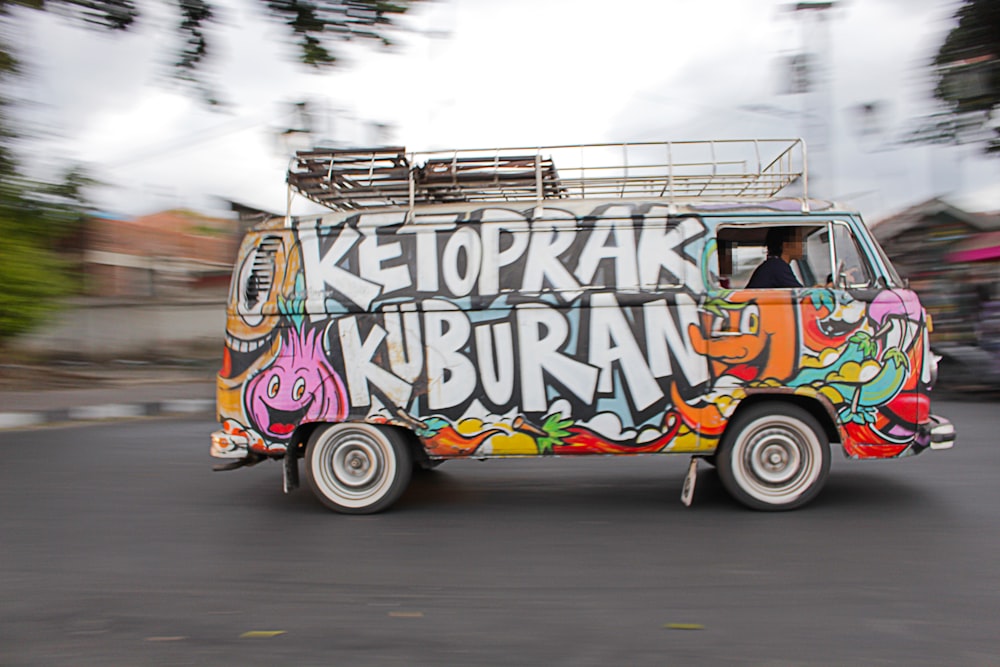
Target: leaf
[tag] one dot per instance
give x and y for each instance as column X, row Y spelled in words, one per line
column 866, row 344
column 546, row 445
column 555, row 430
column 898, row 358
column 556, row 427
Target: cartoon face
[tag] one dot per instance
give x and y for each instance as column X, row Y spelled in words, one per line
column 268, row 271
column 300, row 386
column 750, row 335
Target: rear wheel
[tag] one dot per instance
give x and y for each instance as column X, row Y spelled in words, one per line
column 774, row 456
column 358, row 468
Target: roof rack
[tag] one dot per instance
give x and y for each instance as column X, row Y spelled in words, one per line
column 730, row 169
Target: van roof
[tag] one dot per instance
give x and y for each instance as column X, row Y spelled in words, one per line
column 731, row 170
column 579, row 209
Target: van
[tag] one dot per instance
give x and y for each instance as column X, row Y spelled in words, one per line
column 567, row 301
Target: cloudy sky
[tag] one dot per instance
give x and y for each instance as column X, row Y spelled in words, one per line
column 481, row 73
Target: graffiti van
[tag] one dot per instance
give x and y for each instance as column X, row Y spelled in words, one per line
column 567, row 301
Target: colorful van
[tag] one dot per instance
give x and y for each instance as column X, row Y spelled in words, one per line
column 567, row 301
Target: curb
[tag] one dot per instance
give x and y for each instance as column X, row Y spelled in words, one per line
column 105, row 412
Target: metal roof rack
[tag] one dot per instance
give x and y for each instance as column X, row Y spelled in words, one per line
column 731, row 170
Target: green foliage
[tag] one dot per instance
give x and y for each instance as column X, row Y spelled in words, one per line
column 34, row 218
column 32, row 279
column 967, row 69
column 314, row 25
column 316, row 21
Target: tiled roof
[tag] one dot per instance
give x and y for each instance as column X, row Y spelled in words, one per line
column 894, row 225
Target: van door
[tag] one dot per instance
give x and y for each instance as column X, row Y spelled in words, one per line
column 844, row 337
column 880, row 377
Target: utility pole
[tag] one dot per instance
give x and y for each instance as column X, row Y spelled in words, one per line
column 811, row 75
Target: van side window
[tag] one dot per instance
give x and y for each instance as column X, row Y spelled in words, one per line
column 741, row 249
column 853, row 269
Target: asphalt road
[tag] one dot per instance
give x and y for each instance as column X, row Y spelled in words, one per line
column 119, row 546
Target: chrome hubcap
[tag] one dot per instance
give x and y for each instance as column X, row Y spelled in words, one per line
column 355, row 463
column 774, row 457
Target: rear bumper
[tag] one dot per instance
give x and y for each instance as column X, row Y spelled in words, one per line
column 229, row 446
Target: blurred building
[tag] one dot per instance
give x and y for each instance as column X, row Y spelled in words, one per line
column 952, row 259
column 176, row 253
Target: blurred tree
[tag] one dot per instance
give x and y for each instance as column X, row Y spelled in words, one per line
column 315, row 26
column 35, row 217
column 33, row 279
column 967, row 71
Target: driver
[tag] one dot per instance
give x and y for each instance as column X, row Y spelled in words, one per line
column 783, row 245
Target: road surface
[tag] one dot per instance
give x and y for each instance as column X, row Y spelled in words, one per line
column 120, row 546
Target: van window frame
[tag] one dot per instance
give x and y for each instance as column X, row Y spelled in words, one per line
column 766, row 223
column 871, row 254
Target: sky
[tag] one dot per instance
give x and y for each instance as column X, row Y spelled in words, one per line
column 482, row 74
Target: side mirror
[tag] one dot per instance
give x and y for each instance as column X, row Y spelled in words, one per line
column 839, row 278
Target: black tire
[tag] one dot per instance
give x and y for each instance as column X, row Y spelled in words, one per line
column 358, row 468
column 774, row 456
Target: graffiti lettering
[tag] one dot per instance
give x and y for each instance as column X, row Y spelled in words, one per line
column 555, row 353
column 362, row 371
column 425, row 235
column 451, row 377
column 542, row 332
column 543, row 265
column 357, row 265
column 464, row 247
column 611, row 340
column 509, row 332
column 406, row 354
column 495, row 354
column 323, row 267
column 495, row 257
column 622, row 254
column 373, row 253
column 663, row 335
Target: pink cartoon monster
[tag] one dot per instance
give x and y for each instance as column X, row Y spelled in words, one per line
column 300, row 386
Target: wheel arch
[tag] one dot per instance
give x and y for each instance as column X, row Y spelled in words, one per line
column 302, row 434
column 816, row 406
column 300, row 438
column 775, row 452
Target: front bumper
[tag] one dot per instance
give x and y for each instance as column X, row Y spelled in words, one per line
column 940, row 433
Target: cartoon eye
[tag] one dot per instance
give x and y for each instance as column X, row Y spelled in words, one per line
column 750, row 319
column 299, row 390
column 257, row 278
column 273, row 385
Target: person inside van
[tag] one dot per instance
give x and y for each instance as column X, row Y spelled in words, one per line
column 783, row 245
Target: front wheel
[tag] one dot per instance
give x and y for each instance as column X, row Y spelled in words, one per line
column 774, row 456
column 358, row 468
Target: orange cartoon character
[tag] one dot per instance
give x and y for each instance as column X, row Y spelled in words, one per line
column 750, row 337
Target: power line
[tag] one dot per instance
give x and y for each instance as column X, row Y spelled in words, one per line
column 193, row 139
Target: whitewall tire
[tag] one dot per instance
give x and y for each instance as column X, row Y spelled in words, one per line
column 358, row 468
column 774, row 456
